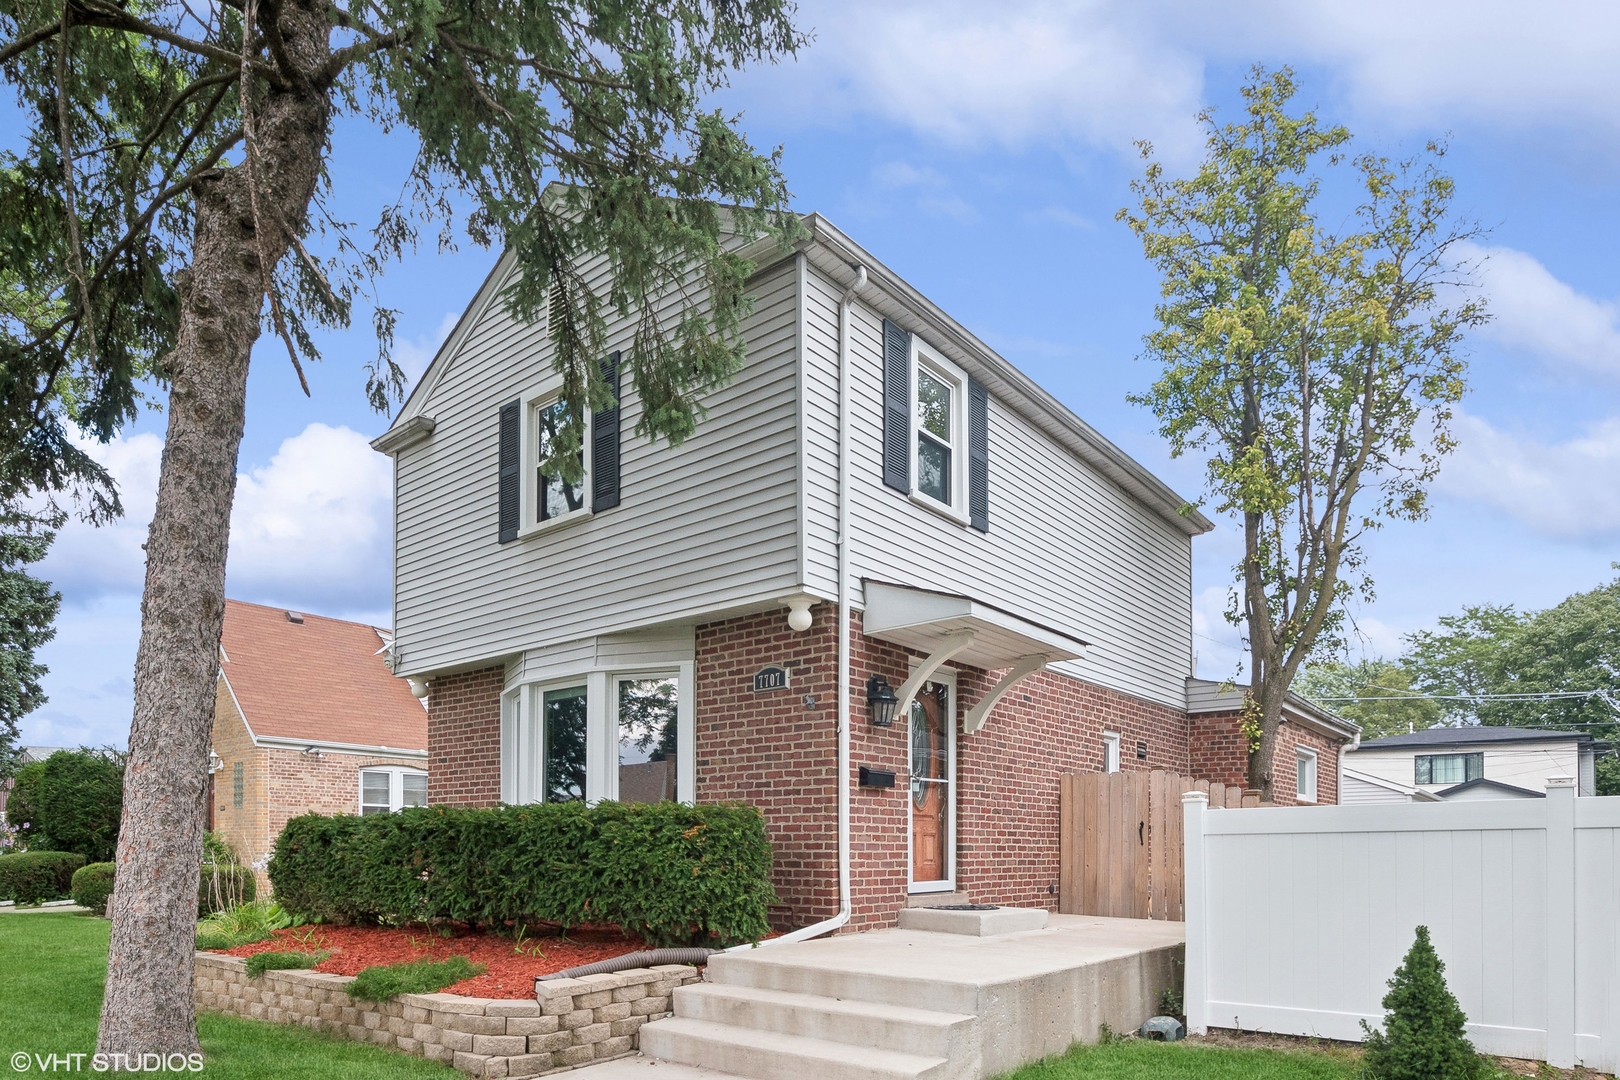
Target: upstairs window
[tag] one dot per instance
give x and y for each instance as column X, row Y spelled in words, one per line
column 939, row 432
column 386, row 790
column 935, row 400
column 554, row 498
column 1449, row 768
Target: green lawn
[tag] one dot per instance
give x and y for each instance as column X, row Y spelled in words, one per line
column 51, row 971
column 1134, row 1059
column 52, row 967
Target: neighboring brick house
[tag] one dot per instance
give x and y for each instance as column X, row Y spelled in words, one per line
column 1016, row 594
column 307, row 717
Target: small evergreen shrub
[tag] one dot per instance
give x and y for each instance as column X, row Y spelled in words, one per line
column 411, row 977
column 32, row 877
column 674, row 874
column 1423, row 1035
column 79, row 801
column 259, row 963
column 223, row 886
column 93, row 885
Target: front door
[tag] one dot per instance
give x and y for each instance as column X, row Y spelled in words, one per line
column 931, row 789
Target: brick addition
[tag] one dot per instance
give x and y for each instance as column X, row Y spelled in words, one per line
column 464, row 737
column 1219, row 751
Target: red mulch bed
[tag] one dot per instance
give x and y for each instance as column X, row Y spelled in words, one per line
column 511, row 967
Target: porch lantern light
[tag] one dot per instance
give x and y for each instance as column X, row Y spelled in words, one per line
column 880, row 700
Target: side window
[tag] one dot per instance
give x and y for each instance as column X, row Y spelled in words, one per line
column 385, row 790
column 936, row 441
column 1305, row 764
column 1110, row 751
column 237, row 784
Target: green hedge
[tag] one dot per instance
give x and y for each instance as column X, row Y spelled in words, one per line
column 30, row 877
column 93, row 886
column 671, row 873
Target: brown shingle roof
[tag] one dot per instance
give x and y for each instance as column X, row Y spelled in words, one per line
column 319, row 680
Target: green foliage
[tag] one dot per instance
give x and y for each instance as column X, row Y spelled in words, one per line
column 1145, row 1059
column 672, row 873
column 224, row 887
column 1315, row 371
column 92, row 886
column 51, row 996
column 411, row 977
column 22, row 805
column 563, row 133
column 28, row 608
column 32, row 877
column 243, row 924
column 259, row 963
column 80, row 800
column 1422, row 1037
column 216, row 849
column 1463, row 658
column 1361, row 692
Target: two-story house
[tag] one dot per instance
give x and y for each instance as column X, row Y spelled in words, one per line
column 888, row 592
column 1470, row 762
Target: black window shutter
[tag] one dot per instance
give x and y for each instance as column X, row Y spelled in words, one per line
column 896, row 407
column 978, row 456
column 605, row 443
column 511, row 476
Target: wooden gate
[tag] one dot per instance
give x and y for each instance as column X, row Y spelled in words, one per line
column 1119, row 841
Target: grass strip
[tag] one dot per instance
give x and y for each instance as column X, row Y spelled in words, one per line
column 411, row 977
column 213, row 940
column 259, row 963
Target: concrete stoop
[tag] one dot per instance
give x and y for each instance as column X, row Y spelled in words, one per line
column 909, row 1004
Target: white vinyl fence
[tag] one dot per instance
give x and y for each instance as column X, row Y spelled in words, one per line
column 1297, row 918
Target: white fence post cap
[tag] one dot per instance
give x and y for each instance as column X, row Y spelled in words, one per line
column 1194, row 796
column 1555, row 783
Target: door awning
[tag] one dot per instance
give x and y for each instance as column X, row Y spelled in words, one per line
column 949, row 627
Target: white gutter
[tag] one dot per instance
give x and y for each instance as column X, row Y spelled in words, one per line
column 845, row 906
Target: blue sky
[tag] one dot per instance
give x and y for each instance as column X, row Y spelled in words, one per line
column 981, row 151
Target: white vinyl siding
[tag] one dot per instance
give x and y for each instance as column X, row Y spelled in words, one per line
column 708, row 526
column 1522, row 765
column 1066, row 547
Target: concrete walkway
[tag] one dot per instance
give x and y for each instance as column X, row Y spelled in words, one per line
column 68, row 908
column 909, row 1004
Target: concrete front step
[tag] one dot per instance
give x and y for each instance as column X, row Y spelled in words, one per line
column 772, row 1055
column 933, row 995
column 859, row 1023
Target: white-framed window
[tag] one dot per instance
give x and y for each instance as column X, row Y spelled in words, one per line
column 548, row 499
column 1110, row 751
column 938, row 432
column 383, row 790
column 1305, row 762
column 621, row 735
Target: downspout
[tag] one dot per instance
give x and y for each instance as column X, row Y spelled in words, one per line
column 845, row 905
column 1344, row 748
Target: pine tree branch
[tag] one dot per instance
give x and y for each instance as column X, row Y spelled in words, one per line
column 112, row 18
column 69, row 185
column 29, row 40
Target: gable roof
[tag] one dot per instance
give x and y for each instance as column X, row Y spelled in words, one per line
column 836, row 255
column 1472, row 735
column 1209, row 696
column 319, row 680
column 1482, row 784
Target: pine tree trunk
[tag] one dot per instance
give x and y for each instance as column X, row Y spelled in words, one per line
column 149, row 1004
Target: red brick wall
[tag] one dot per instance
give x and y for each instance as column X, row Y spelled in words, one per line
column 778, row 753
column 1007, row 779
column 464, row 738
column 776, row 750
column 1219, row 751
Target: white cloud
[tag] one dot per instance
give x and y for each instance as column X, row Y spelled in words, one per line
column 1003, row 75
column 413, row 355
column 1537, row 313
column 1568, row 490
column 311, row 529
column 1103, row 73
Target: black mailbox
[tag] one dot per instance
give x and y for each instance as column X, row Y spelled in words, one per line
column 876, row 778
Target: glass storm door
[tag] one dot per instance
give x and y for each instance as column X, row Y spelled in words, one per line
column 931, row 791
